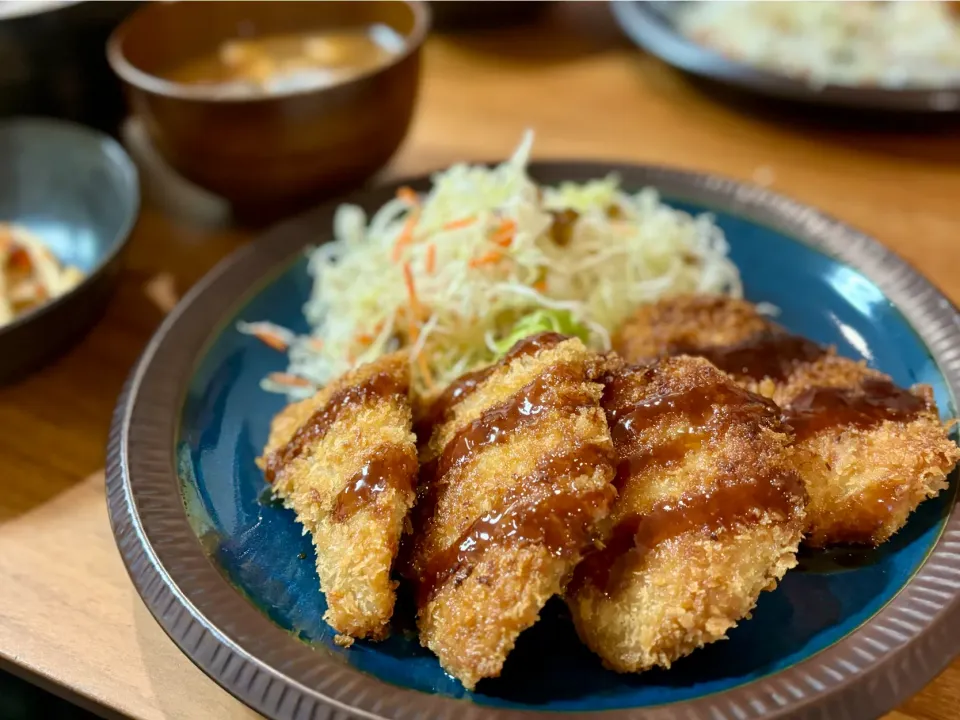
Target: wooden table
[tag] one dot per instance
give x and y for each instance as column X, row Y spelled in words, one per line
column 69, row 617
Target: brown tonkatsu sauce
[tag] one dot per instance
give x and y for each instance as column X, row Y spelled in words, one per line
column 646, row 456
column 533, row 512
column 868, row 405
column 769, row 354
column 532, row 345
column 497, row 423
column 776, row 355
column 734, row 500
column 709, row 410
column 378, row 385
column 697, row 404
column 561, row 232
column 388, row 467
column 467, row 384
column 431, row 485
column 456, row 391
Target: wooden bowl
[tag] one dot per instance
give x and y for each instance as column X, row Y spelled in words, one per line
column 273, row 153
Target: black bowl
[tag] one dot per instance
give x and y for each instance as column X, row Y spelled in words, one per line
column 77, row 189
column 53, row 61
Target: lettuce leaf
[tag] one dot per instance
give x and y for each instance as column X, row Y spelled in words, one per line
column 560, row 321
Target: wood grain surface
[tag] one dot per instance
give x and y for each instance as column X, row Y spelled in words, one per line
column 69, row 616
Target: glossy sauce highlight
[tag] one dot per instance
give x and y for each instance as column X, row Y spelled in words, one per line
column 391, row 466
column 868, row 405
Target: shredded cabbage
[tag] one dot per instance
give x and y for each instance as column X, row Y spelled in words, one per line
column 456, row 275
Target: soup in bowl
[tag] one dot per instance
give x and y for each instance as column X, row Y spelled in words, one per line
column 273, row 106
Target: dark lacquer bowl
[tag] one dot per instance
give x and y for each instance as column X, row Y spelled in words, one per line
column 269, row 153
column 77, row 190
column 52, row 61
column 232, row 578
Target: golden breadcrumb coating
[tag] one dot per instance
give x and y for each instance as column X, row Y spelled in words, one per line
column 345, row 461
column 710, row 514
column 514, row 477
column 864, row 477
column 686, row 322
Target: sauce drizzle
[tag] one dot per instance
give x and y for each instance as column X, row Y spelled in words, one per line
column 497, row 423
column 561, row 232
column 738, row 496
column 377, row 385
column 467, row 384
column 535, row 511
column 390, row 466
column 869, row 405
column 768, row 354
column 732, row 501
column 709, row 409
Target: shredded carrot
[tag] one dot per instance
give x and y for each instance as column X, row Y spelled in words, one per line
column 412, row 331
column 431, row 262
column 540, row 286
column 415, row 307
column 20, row 259
column 364, row 338
column 268, row 338
column 406, row 235
column 425, row 371
column 488, row 259
column 288, row 379
column 408, row 195
column 503, row 235
column 316, row 343
column 461, row 223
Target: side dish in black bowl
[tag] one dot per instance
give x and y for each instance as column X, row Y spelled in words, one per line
column 68, row 199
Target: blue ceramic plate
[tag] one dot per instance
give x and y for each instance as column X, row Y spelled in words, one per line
column 232, row 578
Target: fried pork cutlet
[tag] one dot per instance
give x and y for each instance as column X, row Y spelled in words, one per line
column 868, row 451
column 514, row 477
column 709, row 514
column 345, row 461
column 687, row 323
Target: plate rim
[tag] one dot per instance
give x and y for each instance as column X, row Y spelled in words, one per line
column 887, row 659
column 653, row 32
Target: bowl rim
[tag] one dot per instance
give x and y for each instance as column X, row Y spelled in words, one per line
column 141, row 80
column 35, row 9
column 121, row 237
column 869, row 671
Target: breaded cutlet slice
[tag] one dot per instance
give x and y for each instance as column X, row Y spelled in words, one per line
column 709, row 515
column 869, row 452
column 514, row 477
column 729, row 332
column 345, row 461
column 684, row 323
column 868, row 468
